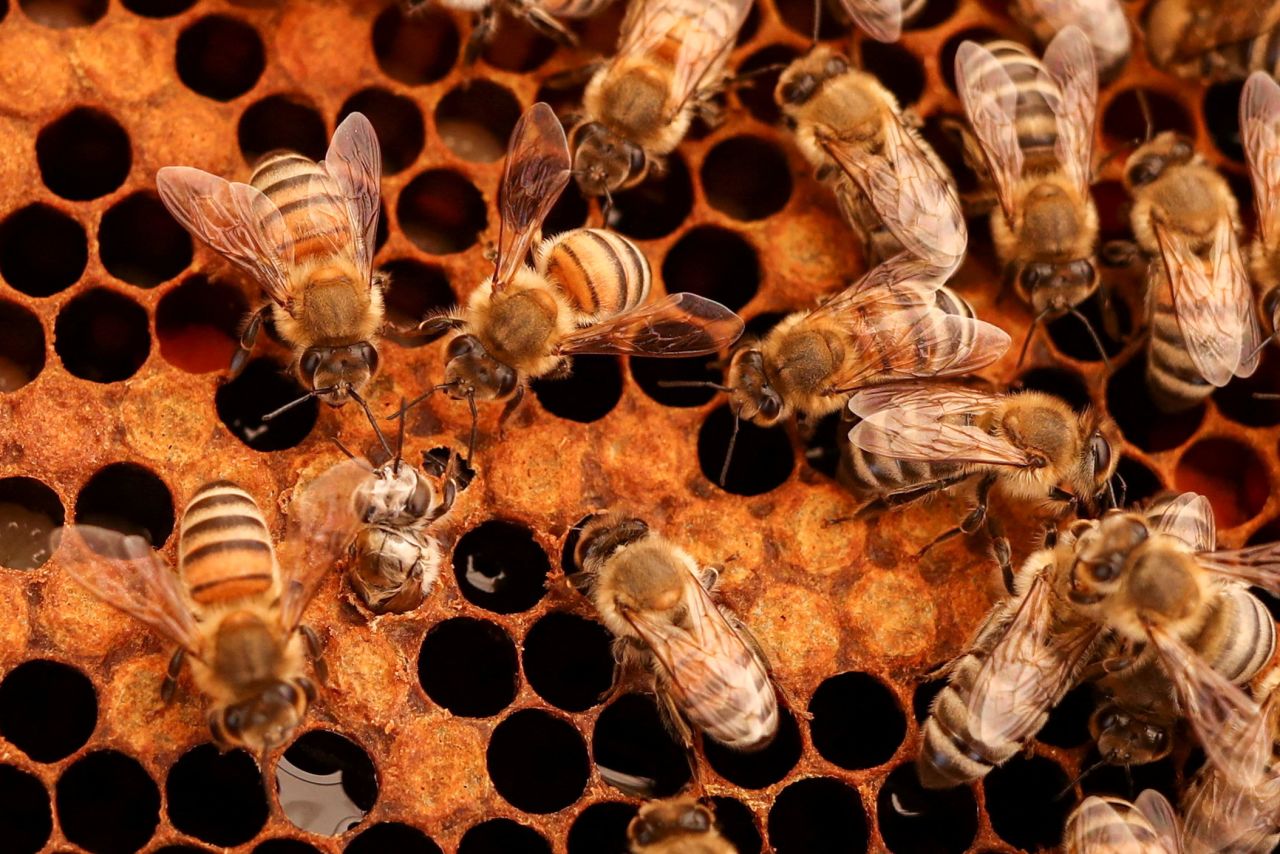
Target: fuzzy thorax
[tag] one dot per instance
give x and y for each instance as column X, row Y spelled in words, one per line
column 522, row 326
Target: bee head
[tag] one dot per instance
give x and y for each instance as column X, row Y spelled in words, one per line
column 604, row 162
column 472, row 373
column 604, row 536
column 334, row 372
column 753, row 397
column 1096, row 465
column 662, row 820
column 1055, row 288
column 1149, row 162
column 1123, row 739
column 265, row 719
column 1102, row 554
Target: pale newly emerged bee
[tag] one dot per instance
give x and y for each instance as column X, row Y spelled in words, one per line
column 1114, row 826
column 1199, row 39
column 1103, row 21
column 708, row 670
column 304, row 231
column 235, row 604
column 676, row 826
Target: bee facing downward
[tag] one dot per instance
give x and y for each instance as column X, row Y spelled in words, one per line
column 304, row 231
column 676, row 826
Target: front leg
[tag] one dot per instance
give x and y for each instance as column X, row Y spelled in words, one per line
column 170, row 684
column 249, row 337
column 510, row 409
column 315, row 652
column 481, row 31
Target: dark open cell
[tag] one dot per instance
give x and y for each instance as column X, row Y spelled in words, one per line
column 441, row 212
column 516, row 46
column 262, row 387
column 1068, row 723
column 756, row 91
column 569, row 212
column 47, row 709
column 1023, row 803
column 935, row 12
column 1071, row 337
column 158, row 8
column 897, row 68
column 568, row 660
column 947, row 57
column 42, row 250
column 418, row 49
column 140, row 243
column 657, row 205
column 284, row 846
column 21, row 347
column 392, row 836
column 715, row 263
column 468, row 666
column 63, row 14
column 1119, row 781
column 500, row 567
column 921, row 821
column 236, row 815
column 323, row 753
column 29, row 511
column 26, row 820
column 1229, row 474
column 568, row 560
column 220, row 57
column 922, row 698
column 1140, row 482
column 129, row 498
column 475, row 119
column 179, row 849
column 537, row 761
column 856, row 721
column 397, row 122
column 763, row 767
column 1123, row 120
column 502, row 836
column 1237, row 399
column 1221, row 117
column 1061, row 382
column 601, row 828
column 102, row 336
column 650, row 374
column 818, row 816
column 762, row 457
column 737, row 824
column 636, row 752
column 588, row 394
column 414, row 292
column 83, row 154
column 747, row 178
column 1129, row 403
column 198, row 324
column 798, row 16
column 107, row 804
column 822, row 442
column 281, row 122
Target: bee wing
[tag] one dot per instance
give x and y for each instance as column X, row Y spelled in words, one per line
column 322, row 521
column 1103, row 21
column 916, row 203
column 880, row 19
column 538, row 168
column 1215, row 309
column 1097, row 827
column 1029, row 669
column 126, row 573
column 1255, row 565
column 354, row 162
column 991, row 103
column 900, row 282
column 1159, row 813
column 1260, row 132
column 928, row 423
column 1189, row 517
column 1073, row 71
column 235, row 220
column 1229, row 725
column 1220, row 816
column 678, row 325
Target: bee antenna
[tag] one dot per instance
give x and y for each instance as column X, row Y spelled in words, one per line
column 607, row 207
column 405, row 407
column 1026, row 342
column 1262, row 345
column 728, row 454
column 693, row 384
column 1085, row 773
column 276, row 413
column 817, row 19
column 364, row 404
column 400, row 437
column 1124, row 490
column 1145, row 106
column 1097, row 342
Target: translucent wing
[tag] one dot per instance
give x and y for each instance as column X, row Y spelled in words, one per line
column 880, row 19
column 1187, row 516
column 916, row 203
column 1220, row 816
column 235, row 220
column 1097, row 827
column 991, row 103
column 1214, row 307
column 901, row 282
column 1073, row 71
column 537, row 170
column 1103, row 21
column 1260, row 133
column 354, row 162
column 126, row 573
column 1160, row 815
column 929, row 423
column 1028, row 670
column 678, row 325
column 1255, row 565
column 322, row 521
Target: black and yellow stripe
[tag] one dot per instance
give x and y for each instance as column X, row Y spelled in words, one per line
column 601, row 273
column 1239, row 636
column 1036, row 125
column 302, row 194
column 572, row 8
column 225, row 548
column 1173, row 379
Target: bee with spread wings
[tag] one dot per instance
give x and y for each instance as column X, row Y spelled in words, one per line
column 1107, row 825
column 587, row 292
column 1260, row 134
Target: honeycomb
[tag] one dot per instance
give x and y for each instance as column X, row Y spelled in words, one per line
column 474, row 723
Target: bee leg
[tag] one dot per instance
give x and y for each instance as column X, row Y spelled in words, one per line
column 510, row 409
column 248, row 338
column 1002, row 552
column 481, row 32
column 315, row 652
column 675, row 721
column 170, row 684
column 970, row 524
column 1119, row 253
column 546, row 24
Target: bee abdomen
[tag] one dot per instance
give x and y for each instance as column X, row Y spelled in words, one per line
column 1248, row 636
column 224, row 547
column 392, row 571
column 304, row 198
column 1112, row 825
column 951, row 754
column 1172, row 377
column 1036, row 125
column 600, row 272
column 572, row 8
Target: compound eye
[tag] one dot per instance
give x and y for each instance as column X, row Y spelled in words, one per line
column 1100, row 448
column 1082, row 271
column 635, row 158
column 1146, row 171
column 1155, row 737
column 1181, row 150
column 310, row 362
column 799, row 89
column 460, row 346
column 697, row 820
column 421, row 496
column 1107, row 570
column 1036, row 275
column 836, row 65
column 505, row 379
column 770, row 406
column 233, row 720
column 369, row 355
column 646, row 833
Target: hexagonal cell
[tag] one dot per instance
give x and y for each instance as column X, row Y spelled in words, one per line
column 262, row 387
column 106, row 801
column 1230, row 474
column 537, row 761
column 516, row 46
column 397, row 122
column 502, row 836
column 414, row 292
column 475, row 120
column 756, row 91
column 500, row 567
column 288, row 122
column 763, row 767
column 140, row 243
column 102, row 336
column 600, row 827
column 1129, row 402
column 48, row 709
column 856, row 722
column 21, row 348
column 747, row 178
column 220, row 57
column 29, row 511
column 417, row 49
column 737, row 824
column 715, row 263
column 914, row 819
column 1123, row 119
column 588, row 394
column 657, row 205
column 42, row 250
column 635, row 751
column 468, row 666
column 83, row 154
column 392, row 836
column 1023, row 803
column 818, row 815
column 26, row 819
column 198, row 324
column 326, row 783
column 762, row 458
column 236, row 815
column 441, row 212
column 568, row 660
column 129, row 498
column 896, row 67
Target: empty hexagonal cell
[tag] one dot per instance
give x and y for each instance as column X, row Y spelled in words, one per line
column 1230, row 474
column 441, row 212
column 289, row 122
column 26, row 819
column 1123, row 120
column 107, row 802
column 1074, row 336
column 762, row 767
column 326, row 783
column 1068, row 723
column 818, row 816
column 158, row 8
column 63, row 14
column 416, row 49
column 502, row 836
column 1221, row 117
column 737, row 823
column 261, row 388
column 568, row 660
column 83, row 154
column 1129, row 402
column 1023, row 803
column 516, row 46
column 475, row 120
column 220, row 57
column 198, row 324
column 129, row 498
column 21, row 347
column 414, row 292
column 236, row 815
column 715, row 263
column 588, row 394
column 537, row 761
column 102, row 336
column 856, row 722
column 635, row 751
column 923, row 821
column 897, row 68
column 468, row 666
column 762, row 457
column 746, row 177
column 500, row 567
column 701, row 372
column 48, row 709
column 140, row 243
column 29, row 511
column 42, row 250
column 392, row 836
column 397, row 121
column 601, row 827
column 657, row 205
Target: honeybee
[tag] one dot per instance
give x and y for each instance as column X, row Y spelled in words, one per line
column 891, row 186
column 543, row 15
column 304, row 231
column 1102, row 21
column 708, row 671
column 1259, row 129
column 676, row 826
column 1199, row 304
column 1114, row 826
column 234, row 607
column 1200, row 38
column 1033, row 141
column 586, row 293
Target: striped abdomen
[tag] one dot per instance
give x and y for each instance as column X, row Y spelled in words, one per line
column 1107, row 825
column 1036, row 93
column 682, row 20
column 601, row 273
column 1260, row 53
column 304, row 197
column 224, row 549
column 572, row 8
column 1172, row 377
column 1239, row 636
